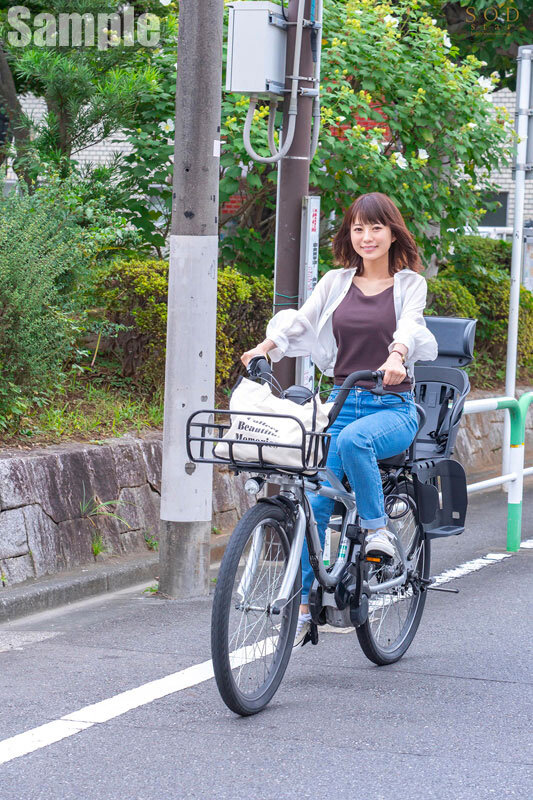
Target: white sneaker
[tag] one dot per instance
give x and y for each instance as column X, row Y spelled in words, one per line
column 380, row 542
column 302, row 629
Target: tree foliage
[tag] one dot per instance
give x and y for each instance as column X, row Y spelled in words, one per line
column 430, row 138
column 90, row 93
column 492, row 31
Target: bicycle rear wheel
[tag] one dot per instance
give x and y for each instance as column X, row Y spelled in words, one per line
column 394, row 615
column 251, row 646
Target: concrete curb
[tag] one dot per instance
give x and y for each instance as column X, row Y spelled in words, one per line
column 48, row 593
column 219, row 542
column 60, row 590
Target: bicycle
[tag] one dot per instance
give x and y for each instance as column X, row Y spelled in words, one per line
column 255, row 606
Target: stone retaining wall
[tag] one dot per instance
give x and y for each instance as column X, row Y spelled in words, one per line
column 51, row 512
column 479, row 440
column 60, row 502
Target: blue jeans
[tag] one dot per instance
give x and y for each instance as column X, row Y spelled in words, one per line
column 368, row 428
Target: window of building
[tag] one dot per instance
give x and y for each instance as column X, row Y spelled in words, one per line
column 498, row 218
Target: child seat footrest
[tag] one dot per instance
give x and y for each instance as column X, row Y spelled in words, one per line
column 446, row 530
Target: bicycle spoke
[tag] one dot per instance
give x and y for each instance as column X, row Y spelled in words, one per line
column 253, row 634
column 391, row 612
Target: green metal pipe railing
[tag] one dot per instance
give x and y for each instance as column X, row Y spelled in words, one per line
column 517, row 413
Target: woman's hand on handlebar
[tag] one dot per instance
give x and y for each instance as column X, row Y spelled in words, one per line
column 393, row 370
column 260, row 350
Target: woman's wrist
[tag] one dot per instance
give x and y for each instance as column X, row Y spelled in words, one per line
column 267, row 345
column 399, row 355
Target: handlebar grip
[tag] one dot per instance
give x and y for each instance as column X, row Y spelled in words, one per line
column 258, row 367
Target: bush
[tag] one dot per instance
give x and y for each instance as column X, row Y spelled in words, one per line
column 483, row 293
column 244, row 308
column 134, row 293
column 449, row 298
column 471, row 251
column 40, row 245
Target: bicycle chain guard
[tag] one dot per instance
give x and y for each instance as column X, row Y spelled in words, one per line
column 349, row 590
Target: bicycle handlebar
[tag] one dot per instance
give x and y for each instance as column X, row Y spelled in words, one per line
column 359, row 375
column 259, row 367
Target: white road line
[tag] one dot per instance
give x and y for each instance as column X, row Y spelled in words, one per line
column 470, row 566
column 97, row 713
column 88, row 716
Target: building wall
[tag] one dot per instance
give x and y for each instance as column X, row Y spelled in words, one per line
column 504, row 97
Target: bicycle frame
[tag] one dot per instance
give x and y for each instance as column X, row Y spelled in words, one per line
column 291, row 487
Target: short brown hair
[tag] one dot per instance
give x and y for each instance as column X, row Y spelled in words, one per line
column 370, row 208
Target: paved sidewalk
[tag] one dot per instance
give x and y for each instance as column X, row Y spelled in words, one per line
column 451, row 720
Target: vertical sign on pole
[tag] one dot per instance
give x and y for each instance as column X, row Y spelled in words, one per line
column 309, row 243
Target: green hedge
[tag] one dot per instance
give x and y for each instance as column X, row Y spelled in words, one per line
column 41, row 252
column 472, row 251
column 134, row 293
column 476, row 291
column 449, row 298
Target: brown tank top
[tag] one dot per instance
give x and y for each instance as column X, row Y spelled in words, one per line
column 363, row 327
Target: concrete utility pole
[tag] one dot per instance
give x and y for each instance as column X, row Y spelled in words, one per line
column 186, row 494
column 294, row 185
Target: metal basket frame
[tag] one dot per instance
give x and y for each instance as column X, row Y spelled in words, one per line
column 309, row 448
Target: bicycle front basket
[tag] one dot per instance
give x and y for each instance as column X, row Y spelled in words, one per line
column 255, row 441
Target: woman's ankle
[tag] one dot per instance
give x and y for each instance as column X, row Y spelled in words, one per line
column 304, row 609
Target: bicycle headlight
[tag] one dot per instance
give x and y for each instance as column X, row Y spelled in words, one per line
column 253, row 485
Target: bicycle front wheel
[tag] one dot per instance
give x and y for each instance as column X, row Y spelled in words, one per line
column 251, row 646
column 394, row 615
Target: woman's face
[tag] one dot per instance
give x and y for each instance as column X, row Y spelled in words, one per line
column 371, row 240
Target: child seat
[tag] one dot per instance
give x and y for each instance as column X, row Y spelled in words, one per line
column 441, row 387
column 441, row 390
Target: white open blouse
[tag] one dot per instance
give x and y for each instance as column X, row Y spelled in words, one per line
column 309, row 331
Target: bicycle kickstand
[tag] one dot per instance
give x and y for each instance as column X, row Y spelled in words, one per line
column 427, row 583
column 311, row 635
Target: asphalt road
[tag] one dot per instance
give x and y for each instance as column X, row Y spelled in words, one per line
column 451, row 720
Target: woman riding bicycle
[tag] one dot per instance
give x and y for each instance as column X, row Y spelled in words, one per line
column 366, row 315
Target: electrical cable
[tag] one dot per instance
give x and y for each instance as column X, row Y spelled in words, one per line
column 316, row 103
column 293, row 105
column 272, row 109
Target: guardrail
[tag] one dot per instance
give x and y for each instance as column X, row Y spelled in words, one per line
column 517, row 411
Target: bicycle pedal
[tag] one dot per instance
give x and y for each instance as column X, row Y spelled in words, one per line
column 378, row 560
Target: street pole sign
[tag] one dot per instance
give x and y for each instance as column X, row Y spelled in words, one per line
column 309, row 244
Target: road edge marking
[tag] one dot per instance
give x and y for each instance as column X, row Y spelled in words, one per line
column 97, row 713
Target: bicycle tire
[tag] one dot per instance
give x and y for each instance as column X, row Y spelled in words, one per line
column 233, row 678
column 374, row 648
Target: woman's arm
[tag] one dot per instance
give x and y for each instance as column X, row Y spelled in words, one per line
column 294, row 331
column 393, row 368
column 260, row 350
column 411, row 330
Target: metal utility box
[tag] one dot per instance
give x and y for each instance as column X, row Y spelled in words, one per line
column 257, row 41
